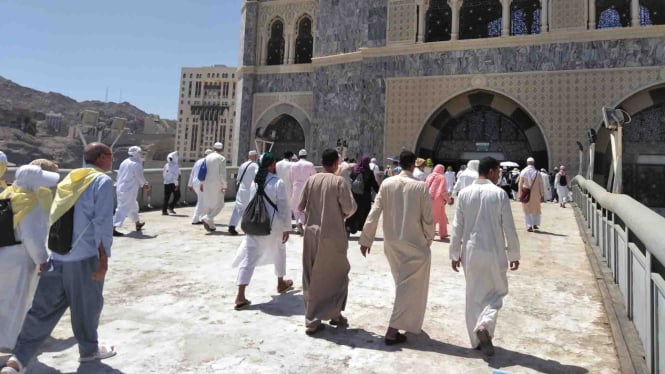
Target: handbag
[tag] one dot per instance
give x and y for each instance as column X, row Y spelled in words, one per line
column 525, row 196
column 255, row 220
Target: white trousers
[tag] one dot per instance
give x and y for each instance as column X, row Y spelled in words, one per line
column 532, row 219
column 128, row 207
column 196, row 217
column 246, row 271
column 236, row 215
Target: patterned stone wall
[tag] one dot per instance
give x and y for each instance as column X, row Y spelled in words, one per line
column 289, row 11
column 402, row 21
column 569, row 14
column 248, row 31
column 262, row 102
column 292, row 82
column 345, row 26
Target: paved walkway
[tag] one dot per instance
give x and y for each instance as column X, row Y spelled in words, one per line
column 169, row 297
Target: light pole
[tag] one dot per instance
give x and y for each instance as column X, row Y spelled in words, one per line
column 581, row 149
column 591, row 137
column 614, row 119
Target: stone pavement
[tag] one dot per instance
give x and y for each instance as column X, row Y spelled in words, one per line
column 169, row 308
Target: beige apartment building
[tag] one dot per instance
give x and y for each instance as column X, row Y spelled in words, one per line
column 206, row 111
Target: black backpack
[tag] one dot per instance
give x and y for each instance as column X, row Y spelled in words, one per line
column 61, row 232
column 563, row 181
column 255, row 220
column 7, row 237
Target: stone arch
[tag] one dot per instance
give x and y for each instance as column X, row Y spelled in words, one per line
column 275, row 47
column 504, row 123
column 273, row 114
column 304, row 39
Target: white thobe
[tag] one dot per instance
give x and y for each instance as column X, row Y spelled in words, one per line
column 266, row 249
column 485, row 239
column 194, row 183
column 284, row 173
column 419, row 174
column 18, row 273
column 562, row 191
column 546, row 186
column 465, row 180
column 532, row 213
column 246, row 173
column 450, row 180
column 130, row 180
column 214, row 183
column 300, row 172
column 408, row 231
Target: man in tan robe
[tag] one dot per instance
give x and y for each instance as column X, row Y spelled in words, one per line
column 408, row 233
column 530, row 178
column 327, row 201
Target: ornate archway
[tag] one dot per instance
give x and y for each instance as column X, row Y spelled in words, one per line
column 478, row 124
column 283, row 118
column 287, row 134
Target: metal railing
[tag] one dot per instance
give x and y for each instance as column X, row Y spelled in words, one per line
column 631, row 238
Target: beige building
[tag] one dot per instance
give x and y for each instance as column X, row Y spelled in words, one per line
column 206, row 111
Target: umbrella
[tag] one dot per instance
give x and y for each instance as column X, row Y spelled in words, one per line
column 509, row 164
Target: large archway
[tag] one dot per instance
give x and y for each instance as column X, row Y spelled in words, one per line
column 287, row 134
column 479, row 124
column 278, row 118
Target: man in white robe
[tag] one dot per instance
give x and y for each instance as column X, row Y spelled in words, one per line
column 450, row 179
column 531, row 179
column 546, row 184
column 171, row 175
column 419, row 171
column 300, row 172
column 484, row 241
column 245, row 179
column 283, row 170
column 213, row 187
column 130, row 181
column 466, row 177
column 561, row 182
column 194, row 185
column 19, row 262
column 257, row 250
column 408, row 231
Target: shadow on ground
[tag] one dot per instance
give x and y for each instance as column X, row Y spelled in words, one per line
column 95, row 367
column 139, row 235
column 288, row 304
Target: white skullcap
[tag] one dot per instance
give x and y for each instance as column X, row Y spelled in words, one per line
column 562, row 167
column 302, row 153
column 530, row 159
column 253, row 153
column 3, row 157
column 373, row 160
column 218, row 145
column 207, row 151
column 33, row 177
column 543, row 170
column 134, row 150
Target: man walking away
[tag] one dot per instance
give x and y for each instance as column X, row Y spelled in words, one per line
column 561, row 183
column 531, row 194
column 171, row 174
column 194, row 185
column 213, row 187
column 300, row 172
column 245, row 179
column 484, row 241
column 130, row 181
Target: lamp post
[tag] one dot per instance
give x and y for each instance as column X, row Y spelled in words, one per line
column 581, row 149
column 591, row 138
column 614, row 120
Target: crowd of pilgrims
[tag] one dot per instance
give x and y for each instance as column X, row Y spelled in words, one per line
column 326, row 208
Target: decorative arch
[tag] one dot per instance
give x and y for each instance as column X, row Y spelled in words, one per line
column 438, row 21
column 652, row 12
column 480, row 19
column 482, row 122
column 304, row 40
column 612, row 13
column 271, row 117
column 525, row 17
column 276, row 43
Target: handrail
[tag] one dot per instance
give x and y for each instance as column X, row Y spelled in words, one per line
column 643, row 222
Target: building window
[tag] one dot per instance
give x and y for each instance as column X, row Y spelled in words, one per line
column 276, row 44
column 652, row 12
column 612, row 13
column 190, row 76
column 480, row 19
column 304, row 41
column 184, row 75
column 438, row 21
column 525, row 17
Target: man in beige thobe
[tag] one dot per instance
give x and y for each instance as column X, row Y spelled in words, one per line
column 327, row 201
column 408, row 233
column 530, row 178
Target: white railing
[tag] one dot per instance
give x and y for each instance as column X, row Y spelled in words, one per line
column 631, row 238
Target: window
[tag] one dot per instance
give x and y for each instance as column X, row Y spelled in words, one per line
column 525, row 17
column 480, row 19
column 438, row 20
column 304, row 42
column 184, row 75
column 190, row 76
column 652, row 12
column 612, row 13
column 276, row 44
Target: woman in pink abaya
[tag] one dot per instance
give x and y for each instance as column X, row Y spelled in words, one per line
column 438, row 193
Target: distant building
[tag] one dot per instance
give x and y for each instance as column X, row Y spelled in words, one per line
column 157, row 126
column 54, row 121
column 206, row 111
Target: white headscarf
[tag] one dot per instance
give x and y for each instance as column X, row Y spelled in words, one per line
column 134, row 151
column 31, row 177
column 172, row 157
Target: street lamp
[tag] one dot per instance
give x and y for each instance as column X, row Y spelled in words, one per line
column 591, row 138
column 581, row 149
column 614, row 120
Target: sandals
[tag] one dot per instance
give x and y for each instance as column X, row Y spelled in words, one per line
column 288, row 285
column 11, row 370
column 311, row 331
column 340, row 322
column 242, row 305
column 103, row 352
column 399, row 338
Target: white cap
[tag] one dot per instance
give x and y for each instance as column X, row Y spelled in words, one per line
column 530, row 159
column 218, row 145
column 3, row 157
column 373, row 160
column 134, row 150
column 33, row 177
column 302, row 153
column 253, row 153
column 207, row 151
column 562, row 167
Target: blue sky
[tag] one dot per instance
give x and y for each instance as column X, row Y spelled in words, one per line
column 81, row 47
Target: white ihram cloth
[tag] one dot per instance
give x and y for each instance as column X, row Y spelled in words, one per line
column 562, row 191
column 467, row 177
column 485, row 239
column 450, row 180
column 263, row 250
column 532, row 211
column 284, row 173
column 130, row 180
column 300, row 172
column 213, row 196
column 408, row 231
column 546, row 186
column 247, row 171
column 18, row 273
column 194, row 183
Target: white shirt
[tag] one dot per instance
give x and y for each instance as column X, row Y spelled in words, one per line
column 130, row 175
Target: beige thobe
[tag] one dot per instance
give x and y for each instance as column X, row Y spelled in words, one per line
column 408, row 233
column 327, row 201
column 530, row 178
